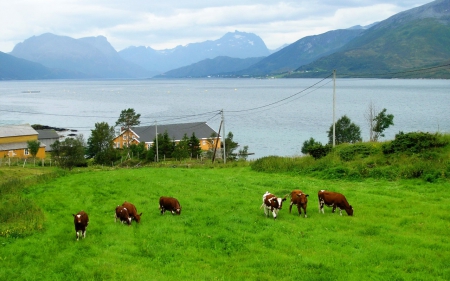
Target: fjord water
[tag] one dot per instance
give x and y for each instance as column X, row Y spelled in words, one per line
column 271, row 116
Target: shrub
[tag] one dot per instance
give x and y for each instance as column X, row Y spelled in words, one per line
column 414, row 142
column 318, row 150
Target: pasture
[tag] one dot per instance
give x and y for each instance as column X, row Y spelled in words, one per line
column 400, row 230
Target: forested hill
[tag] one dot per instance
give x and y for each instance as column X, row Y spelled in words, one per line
column 414, row 39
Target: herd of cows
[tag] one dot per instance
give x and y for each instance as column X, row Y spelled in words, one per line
column 271, row 203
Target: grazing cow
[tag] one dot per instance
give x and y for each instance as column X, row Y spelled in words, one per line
column 169, row 204
column 271, row 203
column 81, row 221
column 334, row 199
column 122, row 215
column 132, row 212
column 300, row 199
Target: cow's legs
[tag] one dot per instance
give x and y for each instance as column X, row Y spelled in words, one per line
column 290, row 207
column 304, row 210
column 274, row 213
column 340, row 211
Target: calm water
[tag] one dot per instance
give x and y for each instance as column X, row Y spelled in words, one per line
column 272, row 116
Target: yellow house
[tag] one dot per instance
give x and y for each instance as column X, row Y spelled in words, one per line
column 13, row 141
column 176, row 132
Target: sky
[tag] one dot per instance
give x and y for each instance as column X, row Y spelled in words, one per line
column 165, row 24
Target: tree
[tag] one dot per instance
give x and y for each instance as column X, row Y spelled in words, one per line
column 33, row 148
column 243, row 153
column 194, row 146
column 307, row 144
column 182, row 149
column 165, row 147
column 382, row 122
column 127, row 119
column 69, row 153
column 378, row 123
column 346, row 131
column 230, row 147
column 101, row 144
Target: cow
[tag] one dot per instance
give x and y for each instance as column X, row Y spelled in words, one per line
column 334, row 199
column 132, row 212
column 81, row 221
column 169, row 204
column 122, row 215
column 271, row 203
column 300, row 199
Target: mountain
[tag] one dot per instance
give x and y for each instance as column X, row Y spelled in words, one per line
column 12, row 68
column 232, row 44
column 211, row 67
column 93, row 56
column 413, row 39
column 303, row 51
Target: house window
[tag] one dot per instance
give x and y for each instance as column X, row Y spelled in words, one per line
column 26, row 152
column 204, row 142
column 124, row 137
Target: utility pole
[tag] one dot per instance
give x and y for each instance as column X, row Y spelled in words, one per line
column 156, row 129
column 223, row 139
column 334, row 106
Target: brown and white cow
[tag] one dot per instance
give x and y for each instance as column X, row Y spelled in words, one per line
column 300, row 199
column 335, row 200
column 271, row 203
column 132, row 211
column 169, row 204
column 122, row 215
column 81, row 221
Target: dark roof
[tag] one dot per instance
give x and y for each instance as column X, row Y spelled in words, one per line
column 47, row 134
column 175, row 131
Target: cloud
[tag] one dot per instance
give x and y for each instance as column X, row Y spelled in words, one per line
column 166, row 24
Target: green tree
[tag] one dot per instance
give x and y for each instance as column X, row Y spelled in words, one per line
column 101, row 144
column 127, row 119
column 194, row 146
column 138, row 150
column 243, row 153
column 165, row 147
column 230, row 147
column 382, row 122
column 307, row 144
column 69, row 153
column 182, row 149
column 346, row 131
column 33, row 148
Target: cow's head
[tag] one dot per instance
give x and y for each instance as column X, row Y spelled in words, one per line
column 177, row 210
column 77, row 218
column 349, row 210
column 138, row 217
column 302, row 198
column 280, row 202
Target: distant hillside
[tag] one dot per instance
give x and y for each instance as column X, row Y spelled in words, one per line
column 302, row 52
column 232, row 44
column 12, row 68
column 416, row 38
column 211, row 67
column 93, row 56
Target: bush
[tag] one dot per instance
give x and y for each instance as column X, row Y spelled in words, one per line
column 318, row 150
column 414, row 142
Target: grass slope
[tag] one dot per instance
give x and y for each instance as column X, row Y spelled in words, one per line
column 400, row 230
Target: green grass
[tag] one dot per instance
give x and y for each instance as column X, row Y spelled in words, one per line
column 399, row 231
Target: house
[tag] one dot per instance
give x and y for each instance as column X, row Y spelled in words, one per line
column 147, row 134
column 13, row 141
column 47, row 137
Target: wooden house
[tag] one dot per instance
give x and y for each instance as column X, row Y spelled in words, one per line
column 13, row 141
column 176, row 132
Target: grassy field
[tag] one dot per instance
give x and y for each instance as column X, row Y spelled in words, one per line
column 399, row 231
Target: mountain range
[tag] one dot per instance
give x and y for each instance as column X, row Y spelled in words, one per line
column 413, row 39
